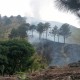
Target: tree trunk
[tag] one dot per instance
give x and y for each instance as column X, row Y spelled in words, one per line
column 54, row 38
column 46, row 34
column 32, row 33
column 64, row 39
column 39, row 36
column 58, row 38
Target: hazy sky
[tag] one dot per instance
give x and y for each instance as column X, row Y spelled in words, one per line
column 41, row 9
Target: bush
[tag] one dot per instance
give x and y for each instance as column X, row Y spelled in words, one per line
column 15, row 56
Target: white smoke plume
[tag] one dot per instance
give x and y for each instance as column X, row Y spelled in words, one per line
column 36, row 5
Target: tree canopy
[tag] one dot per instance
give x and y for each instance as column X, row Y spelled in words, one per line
column 15, row 56
column 65, row 31
column 40, row 29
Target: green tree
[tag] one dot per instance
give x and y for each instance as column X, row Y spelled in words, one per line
column 32, row 28
column 46, row 27
column 54, row 31
column 22, row 30
column 65, row 31
column 13, row 34
column 15, row 55
column 40, row 29
column 28, row 26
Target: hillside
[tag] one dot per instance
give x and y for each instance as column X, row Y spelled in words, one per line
column 58, row 54
column 75, row 32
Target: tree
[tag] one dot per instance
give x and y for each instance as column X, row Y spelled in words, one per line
column 58, row 33
column 6, row 20
column 71, row 5
column 32, row 28
column 13, row 34
column 46, row 27
column 20, row 19
column 65, row 31
column 15, row 56
column 54, row 31
column 28, row 26
column 22, row 30
column 40, row 29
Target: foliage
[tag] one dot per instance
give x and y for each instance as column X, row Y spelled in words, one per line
column 21, row 31
column 54, row 31
column 32, row 28
column 40, row 29
column 39, row 62
column 65, row 31
column 13, row 34
column 14, row 56
column 7, row 23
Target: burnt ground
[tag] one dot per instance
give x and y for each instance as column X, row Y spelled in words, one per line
column 57, row 74
column 52, row 73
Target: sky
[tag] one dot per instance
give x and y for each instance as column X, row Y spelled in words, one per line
column 39, row 9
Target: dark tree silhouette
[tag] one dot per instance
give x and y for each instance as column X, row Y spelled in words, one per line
column 65, row 31
column 46, row 27
column 32, row 28
column 22, row 31
column 71, row 5
column 40, row 29
column 13, row 34
column 54, row 31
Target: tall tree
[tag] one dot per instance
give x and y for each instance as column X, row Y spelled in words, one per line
column 32, row 28
column 27, row 25
column 40, row 29
column 65, row 31
column 58, row 33
column 46, row 27
column 54, row 31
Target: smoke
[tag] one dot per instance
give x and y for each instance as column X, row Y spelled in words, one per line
column 36, row 6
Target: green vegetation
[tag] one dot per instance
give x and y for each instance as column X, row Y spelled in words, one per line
column 15, row 56
column 65, row 31
column 8, row 23
column 46, row 27
column 21, row 31
column 40, row 29
column 32, row 28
